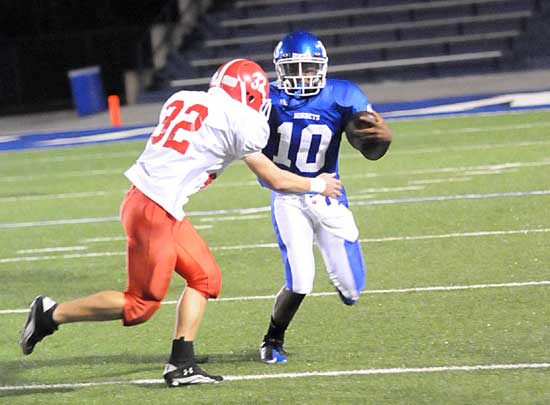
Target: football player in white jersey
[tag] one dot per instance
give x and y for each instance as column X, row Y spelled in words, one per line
column 308, row 117
column 199, row 134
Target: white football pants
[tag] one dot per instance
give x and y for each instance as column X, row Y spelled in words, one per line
column 300, row 220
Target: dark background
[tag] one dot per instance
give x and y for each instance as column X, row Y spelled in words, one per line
column 41, row 40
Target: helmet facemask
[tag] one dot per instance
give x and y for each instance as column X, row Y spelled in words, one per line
column 301, row 62
column 301, row 75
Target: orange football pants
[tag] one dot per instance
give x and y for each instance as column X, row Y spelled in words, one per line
column 157, row 245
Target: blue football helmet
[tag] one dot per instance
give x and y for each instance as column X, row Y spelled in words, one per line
column 301, row 64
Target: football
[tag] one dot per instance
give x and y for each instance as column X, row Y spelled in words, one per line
column 361, row 120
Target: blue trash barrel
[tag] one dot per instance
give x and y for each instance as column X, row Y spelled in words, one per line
column 87, row 90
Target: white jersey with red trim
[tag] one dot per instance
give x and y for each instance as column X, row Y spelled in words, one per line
column 199, row 134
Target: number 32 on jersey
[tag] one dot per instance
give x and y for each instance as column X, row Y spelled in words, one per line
column 194, row 117
column 314, row 142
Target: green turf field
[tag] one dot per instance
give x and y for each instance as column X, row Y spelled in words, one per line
column 455, row 228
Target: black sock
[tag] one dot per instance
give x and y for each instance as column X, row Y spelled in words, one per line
column 182, row 352
column 285, row 307
column 275, row 331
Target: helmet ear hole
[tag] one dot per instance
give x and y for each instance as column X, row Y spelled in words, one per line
column 250, row 98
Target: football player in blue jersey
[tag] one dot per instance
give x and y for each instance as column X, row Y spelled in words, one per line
column 309, row 114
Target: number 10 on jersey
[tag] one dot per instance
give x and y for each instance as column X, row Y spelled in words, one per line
column 314, row 140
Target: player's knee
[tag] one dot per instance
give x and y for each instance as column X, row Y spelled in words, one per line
column 209, row 285
column 138, row 310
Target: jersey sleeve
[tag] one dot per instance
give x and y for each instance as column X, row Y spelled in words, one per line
column 252, row 134
column 352, row 100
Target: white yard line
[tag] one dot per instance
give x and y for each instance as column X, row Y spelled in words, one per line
column 389, row 291
column 455, row 235
column 247, row 211
column 272, row 245
column 360, row 196
column 465, row 170
column 309, row 374
column 465, row 130
column 473, row 147
column 230, row 218
column 75, row 173
column 88, row 194
column 57, row 257
column 52, row 249
column 389, row 189
column 54, row 196
column 437, row 181
column 120, row 171
column 89, row 156
column 367, row 292
column 106, row 136
column 488, row 146
column 451, row 197
column 103, row 239
column 474, row 130
column 119, row 238
column 32, row 224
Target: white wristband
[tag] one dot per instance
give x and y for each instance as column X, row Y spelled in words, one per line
column 317, row 185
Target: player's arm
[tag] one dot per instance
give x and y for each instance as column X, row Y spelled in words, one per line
column 281, row 180
column 369, row 133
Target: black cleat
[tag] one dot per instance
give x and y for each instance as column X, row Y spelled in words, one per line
column 38, row 326
column 272, row 352
column 188, row 374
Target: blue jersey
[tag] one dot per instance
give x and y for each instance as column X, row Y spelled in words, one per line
column 305, row 132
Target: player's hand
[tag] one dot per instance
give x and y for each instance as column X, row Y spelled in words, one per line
column 334, row 185
column 369, row 133
column 377, row 131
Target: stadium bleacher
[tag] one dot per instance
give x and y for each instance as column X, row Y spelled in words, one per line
column 367, row 40
column 453, row 47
